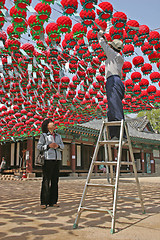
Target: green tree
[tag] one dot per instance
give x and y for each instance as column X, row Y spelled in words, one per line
column 154, row 117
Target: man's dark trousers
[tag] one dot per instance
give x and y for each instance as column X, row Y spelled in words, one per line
column 115, row 93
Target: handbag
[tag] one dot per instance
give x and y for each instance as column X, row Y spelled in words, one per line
column 39, row 161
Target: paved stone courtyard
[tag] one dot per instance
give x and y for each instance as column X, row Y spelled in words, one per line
column 22, row 219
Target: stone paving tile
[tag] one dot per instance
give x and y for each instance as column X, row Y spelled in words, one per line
column 22, row 219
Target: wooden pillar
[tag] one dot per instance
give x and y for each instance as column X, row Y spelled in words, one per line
column 73, row 156
column 142, row 159
column 130, row 166
column 29, row 160
column 152, row 163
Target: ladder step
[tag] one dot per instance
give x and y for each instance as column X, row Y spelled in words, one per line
column 112, row 163
column 113, row 123
column 100, row 185
column 129, row 198
column 97, row 210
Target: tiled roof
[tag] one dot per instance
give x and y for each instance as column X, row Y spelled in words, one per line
column 136, row 128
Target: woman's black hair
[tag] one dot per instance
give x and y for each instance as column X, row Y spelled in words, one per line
column 44, row 126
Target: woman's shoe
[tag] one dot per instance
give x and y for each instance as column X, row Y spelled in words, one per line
column 43, row 206
column 56, row 205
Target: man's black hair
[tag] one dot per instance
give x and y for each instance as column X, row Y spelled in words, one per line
column 45, row 125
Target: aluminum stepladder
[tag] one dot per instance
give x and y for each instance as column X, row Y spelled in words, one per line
column 103, row 139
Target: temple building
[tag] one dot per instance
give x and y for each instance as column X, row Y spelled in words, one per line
column 80, row 141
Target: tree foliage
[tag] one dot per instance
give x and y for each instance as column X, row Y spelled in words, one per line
column 154, row 117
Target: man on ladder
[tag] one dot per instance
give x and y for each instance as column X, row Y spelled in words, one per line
column 114, row 86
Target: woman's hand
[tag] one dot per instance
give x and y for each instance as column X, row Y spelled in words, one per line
column 53, row 145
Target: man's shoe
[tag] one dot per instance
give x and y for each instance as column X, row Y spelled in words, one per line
column 56, row 205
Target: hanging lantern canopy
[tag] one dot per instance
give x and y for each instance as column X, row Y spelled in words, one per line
column 127, row 66
column 34, row 23
column 69, row 6
column 79, row 31
column 52, row 31
column 143, row 83
column 116, row 33
column 153, row 38
column 106, row 13
column 136, row 77
column 146, row 68
column 87, row 17
column 64, row 24
column 151, row 90
column 102, row 25
column 44, row 11
column 88, row 4
column 138, row 61
column 143, row 32
column 147, row 49
column 119, row 20
column 154, row 57
column 155, row 77
column 128, row 50
column 18, row 16
column 138, row 42
column 132, row 27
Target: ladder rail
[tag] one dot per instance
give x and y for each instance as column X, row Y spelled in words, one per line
column 117, row 176
column 88, row 177
column 134, row 169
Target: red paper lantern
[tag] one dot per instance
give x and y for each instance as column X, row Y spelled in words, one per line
column 158, row 65
column 128, row 50
column 69, row 6
column 79, row 31
column 146, row 68
column 154, row 57
column 143, row 83
column 157, row 47
column 102, row 70
column 91, row 72
column 138, row 61
column 136, row 90
column 155, row 77
column 28, row 48
column 116, row 33
column 137, row 41
column 129, row 85
column 153, row 38
column 151, row 90
column 88, row 17
column 132, row 27
column 22, row 4
column 52, row 31
column 106, row 13
column 126, row 38
column 95, row 63
column 127, row 66
column 88, row 4
column 13, row 44
column 44, row 11
column 119, row 20
column 143, row 31
column 136, row 77
column 18, row 16
column 147, row 49
column 34, row 23
column 64, row 24
column 102, row 25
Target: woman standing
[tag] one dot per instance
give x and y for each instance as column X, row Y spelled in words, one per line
column 51, row 143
